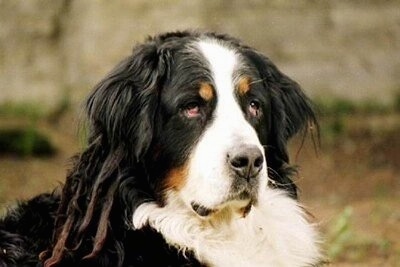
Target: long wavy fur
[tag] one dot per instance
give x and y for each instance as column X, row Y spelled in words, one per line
column 120, row 132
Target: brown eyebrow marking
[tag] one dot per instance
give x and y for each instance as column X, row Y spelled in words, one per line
column 206, row 91
column 244, row 85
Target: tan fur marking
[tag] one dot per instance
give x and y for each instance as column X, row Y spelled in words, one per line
column 206, row 91
column 243, row 85
column 246, row 210
column 176, row 178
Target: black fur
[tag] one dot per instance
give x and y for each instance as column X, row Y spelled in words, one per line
column 290, row 113
column 136, row 135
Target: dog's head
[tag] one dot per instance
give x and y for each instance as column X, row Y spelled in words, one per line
column 208, row 117
column 192, row 117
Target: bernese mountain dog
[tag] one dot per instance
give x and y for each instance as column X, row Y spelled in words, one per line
column 186, row 164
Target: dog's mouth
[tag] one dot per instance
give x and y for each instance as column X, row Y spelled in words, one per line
column 241, row 203
column 202, row 210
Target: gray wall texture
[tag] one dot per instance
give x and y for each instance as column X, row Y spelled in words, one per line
column 52, row 49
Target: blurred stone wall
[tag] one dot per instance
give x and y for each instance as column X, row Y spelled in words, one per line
column 52, row 49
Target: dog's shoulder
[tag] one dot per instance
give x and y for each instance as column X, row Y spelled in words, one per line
column 147, row 247
column 26, row 229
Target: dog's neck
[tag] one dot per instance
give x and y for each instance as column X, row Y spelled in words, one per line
column 274, row 233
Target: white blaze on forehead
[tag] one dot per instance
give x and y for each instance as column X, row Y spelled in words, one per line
column 229, row 120
column 222, row 63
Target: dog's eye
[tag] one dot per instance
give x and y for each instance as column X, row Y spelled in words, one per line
column 192, row 110
column 254, row 108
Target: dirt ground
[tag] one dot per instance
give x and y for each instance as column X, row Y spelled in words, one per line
column 351, row 184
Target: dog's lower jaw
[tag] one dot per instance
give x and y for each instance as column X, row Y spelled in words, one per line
column 238, row 208
column 274, row 233
column 201, row 210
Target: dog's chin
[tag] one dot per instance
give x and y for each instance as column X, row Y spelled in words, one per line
column 201, row 210
column 238, row 203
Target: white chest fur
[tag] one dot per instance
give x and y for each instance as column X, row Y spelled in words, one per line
column 275, row 233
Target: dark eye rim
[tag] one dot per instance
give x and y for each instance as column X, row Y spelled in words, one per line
column 255, row 103
column 192, row 109
column 254, row 108
column 191, row 104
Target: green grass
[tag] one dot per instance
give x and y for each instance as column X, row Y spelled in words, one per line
column 339, row 106
column 332, row 128
column 27, row 141
column 339, row 234
column 333, row 113
column 396, row 102
column 30, row 110
column 35, row 111
column 346, row 243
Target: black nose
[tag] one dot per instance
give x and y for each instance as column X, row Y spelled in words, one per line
column 246, row 161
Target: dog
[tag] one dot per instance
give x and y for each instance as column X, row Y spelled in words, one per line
column 186, row 164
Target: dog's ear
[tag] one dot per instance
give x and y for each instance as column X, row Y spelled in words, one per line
column 123, row 105
column 290, row 112
column 121, row 113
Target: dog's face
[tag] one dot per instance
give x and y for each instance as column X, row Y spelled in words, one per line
column 213, row 110
column 206, row 116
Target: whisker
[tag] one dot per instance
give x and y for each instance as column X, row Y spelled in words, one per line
column 256, row 81
column 277, row 175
